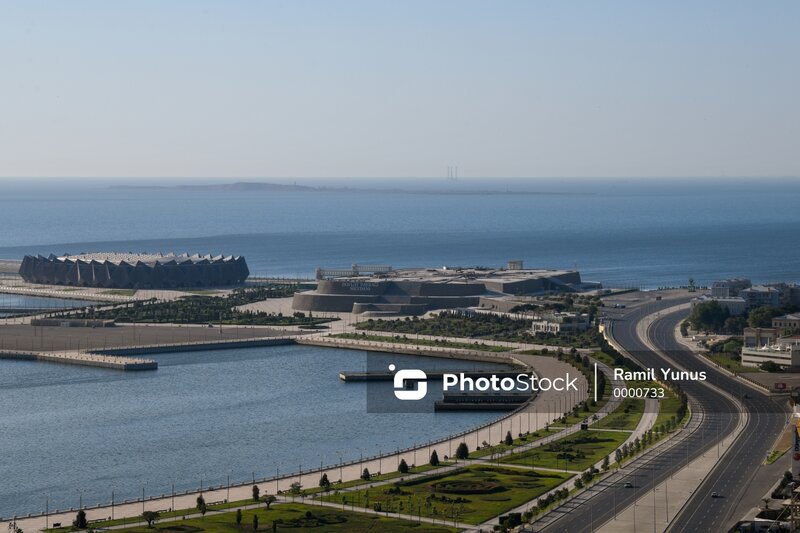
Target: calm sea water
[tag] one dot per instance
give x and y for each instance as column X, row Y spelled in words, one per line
column 642, row 233
column 220, row 413
column 19, row 301
column 209, row 414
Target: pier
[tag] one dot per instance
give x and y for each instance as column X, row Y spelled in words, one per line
column 123, row 358
column 112, row 362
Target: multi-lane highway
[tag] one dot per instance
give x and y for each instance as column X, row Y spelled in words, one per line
column 738, row 477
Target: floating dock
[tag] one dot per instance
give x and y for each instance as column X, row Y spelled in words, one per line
column 432, row 374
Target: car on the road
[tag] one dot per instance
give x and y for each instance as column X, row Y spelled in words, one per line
column 714, row 495
column 628, row 485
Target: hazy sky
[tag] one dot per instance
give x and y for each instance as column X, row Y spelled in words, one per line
column 399, row 88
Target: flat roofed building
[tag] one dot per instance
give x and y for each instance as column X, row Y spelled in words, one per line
column 735, row 305
column 786, row 356
column 728, row 288
column 558, row 323
column 790, row 321
column 759, row 337
column 759, row 295
column 785, row 352
column 416, row 291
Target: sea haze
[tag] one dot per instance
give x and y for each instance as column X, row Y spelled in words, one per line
column 647, row 233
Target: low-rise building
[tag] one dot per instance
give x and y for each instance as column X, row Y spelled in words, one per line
column 729, row 288
column 735, row 305
column 557, row 323
column 784, row 353
column 759, row 295
column 760, row 337
column 790, row 321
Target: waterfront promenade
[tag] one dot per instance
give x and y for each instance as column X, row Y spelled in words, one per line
column 546, row 407
column 535, row 415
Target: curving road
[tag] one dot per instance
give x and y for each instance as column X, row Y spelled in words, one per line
column 738, row 477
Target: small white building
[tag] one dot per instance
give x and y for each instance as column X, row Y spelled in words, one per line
column 558, row 323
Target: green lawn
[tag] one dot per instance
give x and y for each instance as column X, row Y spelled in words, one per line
column 578, row 451
column 472, row 494
column 519, row 441
column 626, row 416
column 295, row 518
column 166, row 514
column 731, row 364
column 423, row 342
column 375, row 478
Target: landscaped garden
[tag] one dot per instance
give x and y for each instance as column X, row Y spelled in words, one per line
column 575, row 452
column 290, row 517
column 472, row 494
column 206, row 309
column 486, row 326
column 626, row 416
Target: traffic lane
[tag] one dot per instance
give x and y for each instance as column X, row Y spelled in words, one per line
column 721, row 421
column 738, row 468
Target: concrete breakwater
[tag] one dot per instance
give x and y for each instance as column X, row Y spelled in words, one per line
column 443, row 352
column 195, row 346
column 124, row 358
column 83, row 359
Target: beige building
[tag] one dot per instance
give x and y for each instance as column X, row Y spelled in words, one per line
column 760, row 337
column 791, row 321
column 558, row 323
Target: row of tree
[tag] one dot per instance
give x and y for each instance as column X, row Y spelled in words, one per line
column 710, row 316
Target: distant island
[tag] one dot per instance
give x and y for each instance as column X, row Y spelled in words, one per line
column 279, row 187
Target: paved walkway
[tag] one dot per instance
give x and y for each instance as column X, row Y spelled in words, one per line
column 645, row 422
column 546, row 407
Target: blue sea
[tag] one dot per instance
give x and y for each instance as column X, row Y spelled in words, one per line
column 646, row 233
column 238, row 413
column 215, row 414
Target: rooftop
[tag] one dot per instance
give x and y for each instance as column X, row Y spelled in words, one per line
column 448, row 274
column 144, row 257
